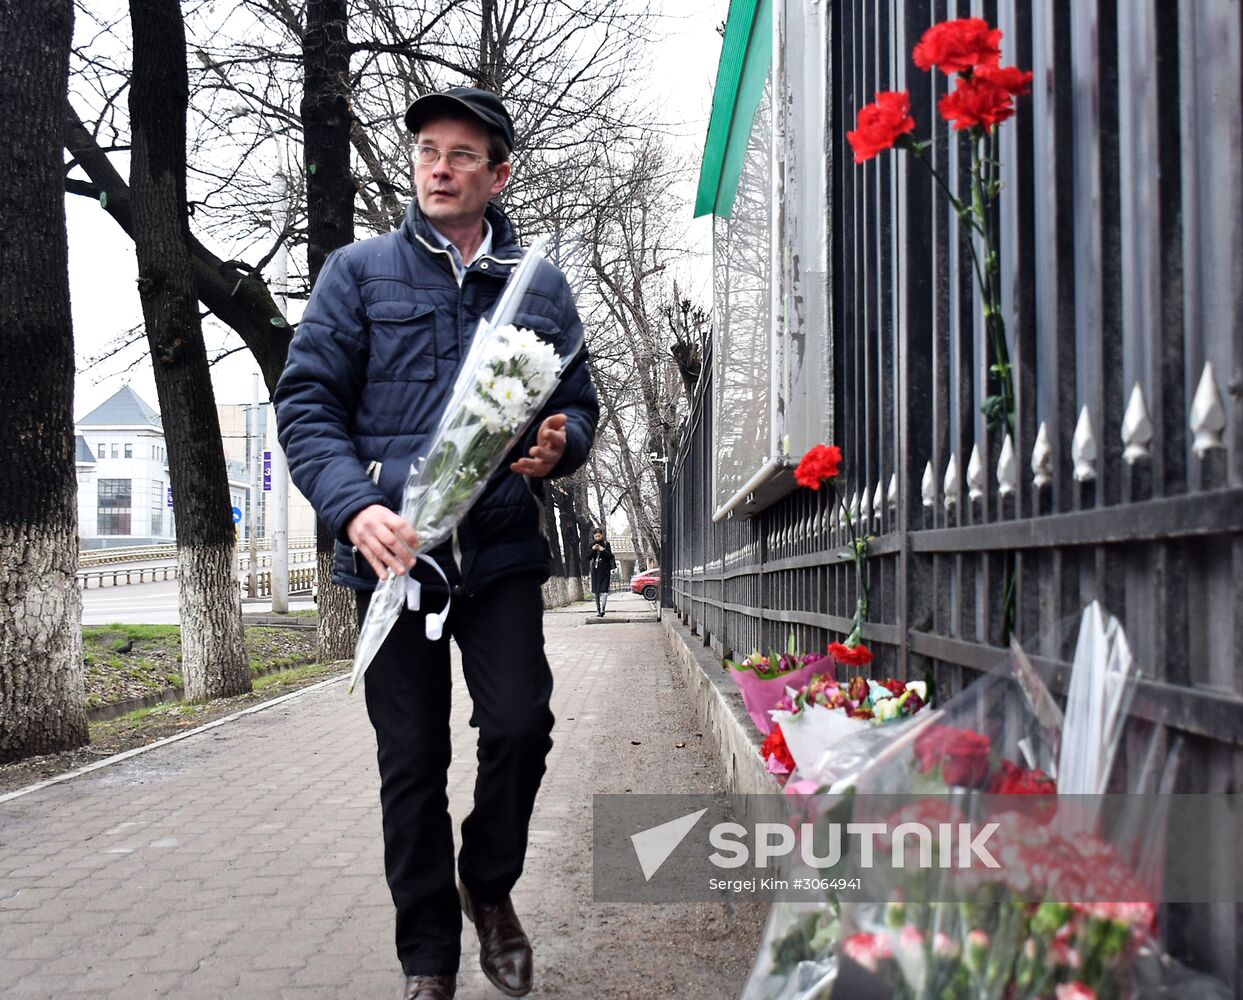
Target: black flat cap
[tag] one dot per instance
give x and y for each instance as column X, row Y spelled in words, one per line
column 481, row 104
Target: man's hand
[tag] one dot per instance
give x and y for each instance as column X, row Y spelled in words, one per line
column 387, row 541
column 549, row 447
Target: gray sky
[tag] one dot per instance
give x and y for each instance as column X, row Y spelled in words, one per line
column 103, row 271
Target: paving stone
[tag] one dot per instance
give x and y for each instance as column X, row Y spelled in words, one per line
column 247, row 861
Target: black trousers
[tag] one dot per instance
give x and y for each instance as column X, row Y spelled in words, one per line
column 500, row 634
column 600, row 587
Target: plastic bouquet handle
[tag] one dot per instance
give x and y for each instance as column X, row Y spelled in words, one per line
column 506, row 378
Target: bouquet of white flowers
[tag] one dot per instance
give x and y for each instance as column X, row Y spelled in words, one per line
column 506, row 378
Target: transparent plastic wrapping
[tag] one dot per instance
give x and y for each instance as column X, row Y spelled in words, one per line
column 797, row 959
column 1068, row 915
column 1071, row 914
column 504, row 381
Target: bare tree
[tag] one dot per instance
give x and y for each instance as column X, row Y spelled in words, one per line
column 231, row 290
column 330, row 188
column 214, row 662
column 570, row 73
column 649, row 336
column 42, row 705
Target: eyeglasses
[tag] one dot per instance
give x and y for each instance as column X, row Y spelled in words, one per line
column 459, row 159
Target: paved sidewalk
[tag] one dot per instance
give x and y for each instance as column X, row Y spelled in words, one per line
column 246, row 861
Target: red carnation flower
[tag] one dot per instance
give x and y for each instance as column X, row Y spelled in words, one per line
column 1015, row 780
column 850, row 656
column 880, row 124
column 959, row 46
column 819, row 464
column 962, row 755
column 775, row 746
column 894, row 687
column 976, row 101
column 1009, row 78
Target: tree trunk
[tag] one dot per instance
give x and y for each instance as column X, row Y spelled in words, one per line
column 330, row 193
column 571, row 542
column 556, row 591
column 214, row 660
column 42, row 706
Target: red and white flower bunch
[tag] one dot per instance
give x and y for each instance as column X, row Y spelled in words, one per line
column 859, row 697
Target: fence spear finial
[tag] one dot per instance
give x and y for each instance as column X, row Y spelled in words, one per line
column 950, row 485
column 1007, row 469
column 1136, row 428
column 1083, row 447
column 1042, row 458
column 1208, row 414
column 975, row 475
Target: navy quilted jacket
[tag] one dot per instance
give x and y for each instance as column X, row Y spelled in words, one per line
column 370, row 370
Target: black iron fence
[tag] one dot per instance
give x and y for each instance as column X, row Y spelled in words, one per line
column 1121, row 245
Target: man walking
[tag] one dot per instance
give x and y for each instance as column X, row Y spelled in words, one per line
column 369, row 374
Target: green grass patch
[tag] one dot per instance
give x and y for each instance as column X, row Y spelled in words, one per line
column 294, row 676
column 152, row 661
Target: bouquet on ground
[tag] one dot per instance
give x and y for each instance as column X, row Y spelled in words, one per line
column 1067, row 912
column 763, row 680
column 861, row 698
column 821, row 724
column 509, row 373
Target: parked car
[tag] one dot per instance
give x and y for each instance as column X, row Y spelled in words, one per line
column 646, row 583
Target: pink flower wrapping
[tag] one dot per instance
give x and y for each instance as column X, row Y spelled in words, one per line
column 761, row 695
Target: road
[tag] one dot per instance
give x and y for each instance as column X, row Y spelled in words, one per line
column 151, row 604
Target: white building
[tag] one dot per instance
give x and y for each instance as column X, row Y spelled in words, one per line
column 242, row 439
column 124, row 497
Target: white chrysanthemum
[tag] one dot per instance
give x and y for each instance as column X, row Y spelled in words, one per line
column 508, row 391
column 498, row 352
column 521, row 339
column 488, row 413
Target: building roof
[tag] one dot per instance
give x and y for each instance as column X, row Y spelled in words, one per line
column 125, row 408
column 84, row 453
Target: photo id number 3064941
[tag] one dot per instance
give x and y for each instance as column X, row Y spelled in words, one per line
column 826, row 884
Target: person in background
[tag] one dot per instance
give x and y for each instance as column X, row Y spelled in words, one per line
column 602, row 563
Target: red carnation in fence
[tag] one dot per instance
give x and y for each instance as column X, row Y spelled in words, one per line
column 974, row 102
column 881, row 124
column 959, row 46
column 1017, row 81
column 850, row 656
column 819, row 464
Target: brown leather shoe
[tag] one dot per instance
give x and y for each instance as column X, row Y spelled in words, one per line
column 429, row 988
column 504, row 951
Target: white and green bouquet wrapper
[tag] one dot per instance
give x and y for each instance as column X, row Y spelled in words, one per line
column 509, row 373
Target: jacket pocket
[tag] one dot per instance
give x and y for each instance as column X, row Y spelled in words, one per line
column 403, row 342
